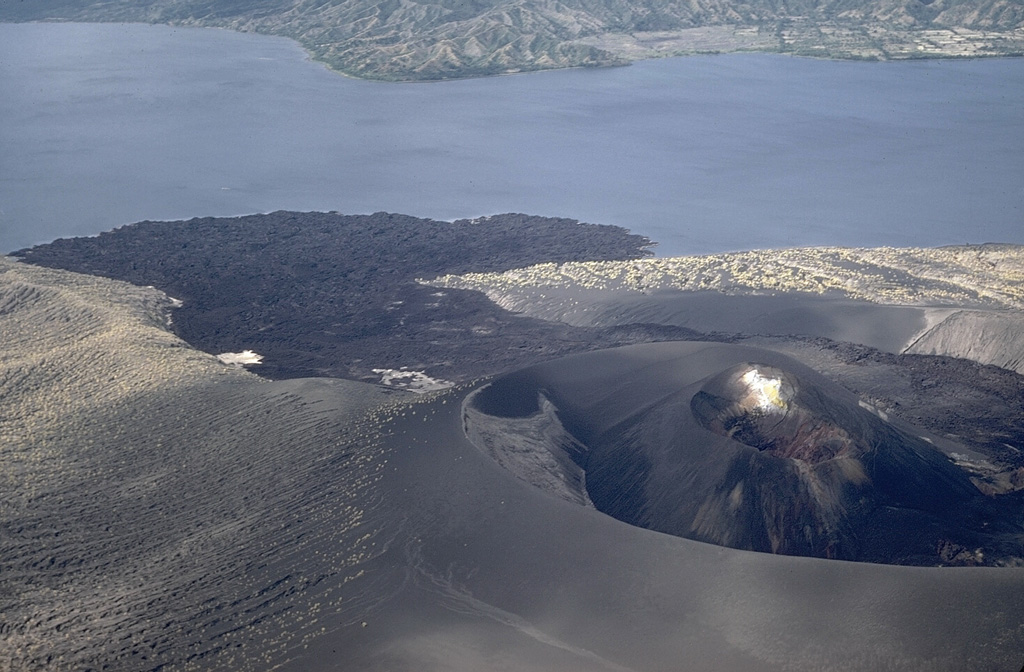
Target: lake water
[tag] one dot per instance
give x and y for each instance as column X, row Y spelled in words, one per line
column 102, row 125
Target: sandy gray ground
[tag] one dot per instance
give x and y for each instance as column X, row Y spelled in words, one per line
column 497, row 575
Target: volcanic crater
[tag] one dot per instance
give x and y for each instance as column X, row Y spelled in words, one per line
column 764, row 407
column 740, row 447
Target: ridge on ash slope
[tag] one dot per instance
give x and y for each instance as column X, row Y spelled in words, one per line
column 741, row 447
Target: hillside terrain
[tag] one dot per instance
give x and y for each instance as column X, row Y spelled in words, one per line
column 154, row 495
column 166, row 511
column 170, row 510
column 440, row 39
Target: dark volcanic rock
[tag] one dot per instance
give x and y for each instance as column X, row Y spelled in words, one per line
column 324, row 294
column 747, row 448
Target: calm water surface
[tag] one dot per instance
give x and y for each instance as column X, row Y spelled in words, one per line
column 102, row 125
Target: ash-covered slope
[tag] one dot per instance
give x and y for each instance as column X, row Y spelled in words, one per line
column 154, row 499
column 992, row 337
column 745, row 448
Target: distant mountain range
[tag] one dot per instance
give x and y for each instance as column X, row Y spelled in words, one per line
column 709, row 442
column 442, row 39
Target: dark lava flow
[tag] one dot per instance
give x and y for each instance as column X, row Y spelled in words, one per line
column 326, row 294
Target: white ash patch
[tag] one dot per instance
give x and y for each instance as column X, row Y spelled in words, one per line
column 240, row 359
column 175, row 303
column 412, row 381
column 879, row 413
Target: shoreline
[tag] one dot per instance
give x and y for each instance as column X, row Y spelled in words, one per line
column 621, row 60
